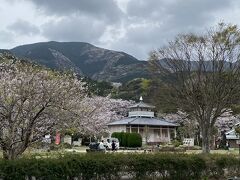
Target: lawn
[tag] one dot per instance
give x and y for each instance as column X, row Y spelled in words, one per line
column 220, row 151
column 43, row 153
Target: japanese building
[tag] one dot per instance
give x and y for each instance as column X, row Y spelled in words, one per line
column 141, row 119
column 232, row 137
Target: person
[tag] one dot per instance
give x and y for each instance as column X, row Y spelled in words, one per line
column 101, row 146
column 113, row 146
column 228, row 145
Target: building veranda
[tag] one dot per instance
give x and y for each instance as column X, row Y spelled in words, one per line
column 141, row 119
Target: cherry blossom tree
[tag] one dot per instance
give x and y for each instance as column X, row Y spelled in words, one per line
column 33, row 102
column 95, row 112
column 227, row 121
column 188, row 126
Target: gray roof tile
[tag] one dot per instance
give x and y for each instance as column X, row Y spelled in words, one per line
column 143, row 121
column 142, row 104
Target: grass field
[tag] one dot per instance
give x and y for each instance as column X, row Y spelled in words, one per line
column 231, row 151
column 43, row 153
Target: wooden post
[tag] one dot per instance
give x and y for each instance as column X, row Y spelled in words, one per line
column 161, row 134
column 239, row 146
column 169, row 139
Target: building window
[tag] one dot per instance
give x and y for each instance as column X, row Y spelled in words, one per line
column 172, row 133
column 165, row 133
column 157, row 133
column 134, row 130
column 141, row 131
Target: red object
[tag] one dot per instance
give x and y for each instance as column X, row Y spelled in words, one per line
column 57, row 139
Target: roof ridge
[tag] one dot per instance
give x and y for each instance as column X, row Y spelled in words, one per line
column 142, row 103
column 143, row 121
column 132, row 120
column 229, row 131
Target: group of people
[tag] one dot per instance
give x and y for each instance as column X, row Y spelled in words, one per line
column 103, row 147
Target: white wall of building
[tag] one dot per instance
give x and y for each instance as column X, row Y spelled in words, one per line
column 117, row 128
column 159, row 134
column 141, row 113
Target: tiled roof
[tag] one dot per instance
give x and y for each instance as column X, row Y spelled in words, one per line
column 143, row 121
column 142, row 104
column 231, row 134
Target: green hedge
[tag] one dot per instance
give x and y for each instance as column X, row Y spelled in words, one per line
column 128, row 139
column 119, row 136
column 134, row 140
column 116, row 165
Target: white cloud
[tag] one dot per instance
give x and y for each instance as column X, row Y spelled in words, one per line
column 23, row 28
column 133, row 26
column 74, row 28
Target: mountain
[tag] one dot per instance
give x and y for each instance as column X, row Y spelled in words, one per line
column 4, row 51
column 84, row 59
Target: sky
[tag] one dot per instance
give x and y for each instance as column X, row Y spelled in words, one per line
column 133, row 26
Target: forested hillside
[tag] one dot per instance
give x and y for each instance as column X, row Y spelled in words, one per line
column 84, row 59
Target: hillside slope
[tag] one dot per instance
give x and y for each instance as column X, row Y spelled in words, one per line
column 84, row 59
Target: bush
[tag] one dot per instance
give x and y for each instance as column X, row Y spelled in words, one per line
column 118, row 135
column 55, row 147
column 190, row 147
column 128, row 139
column 125, row 139
column 134, row 140
column 176, row 143
column 76, row 136
column 114, row 166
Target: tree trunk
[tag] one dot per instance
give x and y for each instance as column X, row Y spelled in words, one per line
column 9, row 154
column 206, row 137
column 12, row 153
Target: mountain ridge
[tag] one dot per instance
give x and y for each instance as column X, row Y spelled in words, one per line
column 84, row 59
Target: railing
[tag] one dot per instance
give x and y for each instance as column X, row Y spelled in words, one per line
column 141, row 113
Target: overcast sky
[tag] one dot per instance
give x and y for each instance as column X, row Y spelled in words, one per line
column 133, row 26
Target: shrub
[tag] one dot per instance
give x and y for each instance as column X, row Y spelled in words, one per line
column 176, row 143
column 125, row 139
column 134, row 140
column 190, row 147
column 117, row 135
column 55, row 147
column 114, row 166
column 128, row 139
column 121, row 138
column 76, row 136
